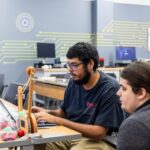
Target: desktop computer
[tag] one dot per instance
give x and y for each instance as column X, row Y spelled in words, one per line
column 124, row 56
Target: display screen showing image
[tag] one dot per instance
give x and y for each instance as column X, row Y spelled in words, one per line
column 125, row 53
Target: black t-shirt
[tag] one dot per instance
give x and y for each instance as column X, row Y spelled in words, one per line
column 99, row 105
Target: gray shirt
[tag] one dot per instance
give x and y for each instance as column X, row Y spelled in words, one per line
column 134, row 133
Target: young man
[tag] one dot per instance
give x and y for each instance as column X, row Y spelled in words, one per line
column 134, row 93
column 90, row 104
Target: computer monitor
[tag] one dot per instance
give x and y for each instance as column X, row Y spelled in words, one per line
column 45, row 50
column 125, row 53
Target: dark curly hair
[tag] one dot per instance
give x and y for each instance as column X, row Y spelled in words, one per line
column 84, row 52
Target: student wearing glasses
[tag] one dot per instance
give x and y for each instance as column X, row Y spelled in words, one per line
column 134, row 93
column 90, row 104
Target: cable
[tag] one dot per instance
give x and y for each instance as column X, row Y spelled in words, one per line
column 8, row 111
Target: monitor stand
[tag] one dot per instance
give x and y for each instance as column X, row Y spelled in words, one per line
column 46, row 64
column 43, row 61
column 122, row 63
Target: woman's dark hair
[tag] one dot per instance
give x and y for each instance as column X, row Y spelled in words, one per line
column 138, row 76
column 84, row 52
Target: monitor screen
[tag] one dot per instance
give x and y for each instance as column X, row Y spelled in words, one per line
column 125, row 53
column 45, row 50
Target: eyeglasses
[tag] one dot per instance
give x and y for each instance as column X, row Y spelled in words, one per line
column 73, row 66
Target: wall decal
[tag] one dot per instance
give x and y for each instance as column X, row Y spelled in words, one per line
column 24, row 22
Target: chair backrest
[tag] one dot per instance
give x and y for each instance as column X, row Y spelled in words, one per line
column 1, row 84
column 12, row 93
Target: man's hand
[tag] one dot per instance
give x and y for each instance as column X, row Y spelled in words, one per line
column 45, row 116
column 36, row 109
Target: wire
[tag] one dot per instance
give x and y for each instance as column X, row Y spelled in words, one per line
column 25, row 85
column 8, row 111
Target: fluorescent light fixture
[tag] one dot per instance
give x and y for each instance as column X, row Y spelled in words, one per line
column 133, row 2
column 88, row 0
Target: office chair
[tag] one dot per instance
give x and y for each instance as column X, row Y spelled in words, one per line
column 45, row 102
column 38, row 100
column 2, row 85
column 11, row 93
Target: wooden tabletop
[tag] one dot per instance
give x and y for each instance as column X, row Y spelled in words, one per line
column 49, row 89
column 49, row 134
column 56, row 133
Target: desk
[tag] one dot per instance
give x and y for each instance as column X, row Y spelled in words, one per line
column 56, row 133
column 23, row 144
column 54, row 90
column 50, row 134
column 63, row 71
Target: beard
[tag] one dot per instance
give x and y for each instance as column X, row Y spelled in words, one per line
column 84, row 79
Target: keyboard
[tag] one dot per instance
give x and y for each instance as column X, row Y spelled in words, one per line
column 41, row 124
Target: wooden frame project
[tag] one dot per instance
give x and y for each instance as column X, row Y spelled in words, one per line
column 27, row 121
